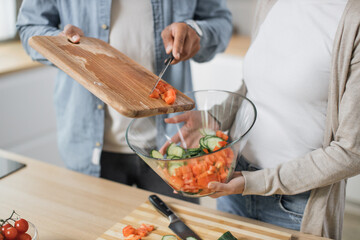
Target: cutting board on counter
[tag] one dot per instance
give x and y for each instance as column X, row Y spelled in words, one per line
column 109, row 74
column 207, row 225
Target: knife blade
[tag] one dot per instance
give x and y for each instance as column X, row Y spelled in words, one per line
column 167, row 63
column 176, row 225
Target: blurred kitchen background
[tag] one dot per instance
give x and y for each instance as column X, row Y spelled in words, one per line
column 27, row 122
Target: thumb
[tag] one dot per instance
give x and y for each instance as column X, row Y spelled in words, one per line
column 218, row 187
column 73, row 33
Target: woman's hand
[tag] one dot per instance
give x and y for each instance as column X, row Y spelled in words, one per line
column 234, row 186
column 72, row 33
column 181, row 40
column 189, row 134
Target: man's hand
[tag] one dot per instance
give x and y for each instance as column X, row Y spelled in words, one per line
column 72, row 33
column 234, row 186
column 181, row 40
column 189, row 134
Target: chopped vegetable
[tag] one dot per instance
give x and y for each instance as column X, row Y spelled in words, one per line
column 128, row 230
column 174, row 150
column 227, row 236
column 169, row 237
column 211, row 161
column 156, row 154
column 165, row 91
column 132, row 233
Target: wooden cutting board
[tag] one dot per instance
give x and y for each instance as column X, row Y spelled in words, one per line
column 109, row 74
column 208, row 226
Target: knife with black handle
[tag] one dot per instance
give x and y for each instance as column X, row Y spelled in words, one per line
column 176, row 225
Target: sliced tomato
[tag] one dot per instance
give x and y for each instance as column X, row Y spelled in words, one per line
column 216, row 148
column 128, row 230
column 142, row 232
column 170, row 96
column 148, row 227
column 176, row 182
column 155, row 93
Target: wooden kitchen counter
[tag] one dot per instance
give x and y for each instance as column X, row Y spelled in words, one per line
column 67, row 205
column 14, row 58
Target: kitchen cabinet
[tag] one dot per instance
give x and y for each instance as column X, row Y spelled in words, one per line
column 27, row 121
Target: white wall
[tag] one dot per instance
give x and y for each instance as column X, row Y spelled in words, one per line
column 27, row 121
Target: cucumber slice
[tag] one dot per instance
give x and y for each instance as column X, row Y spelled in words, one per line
column 174, row 165
column 193, row 151
column 171, row 157
column 202, row 142
column 207, row 132
column 212, row 142
column 174, row 150
column 156, row 154
column 227, row 236
column 169, row 237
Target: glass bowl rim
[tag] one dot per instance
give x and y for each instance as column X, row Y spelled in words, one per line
column 183, row 159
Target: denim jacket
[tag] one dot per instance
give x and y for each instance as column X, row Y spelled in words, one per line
column 80, row 115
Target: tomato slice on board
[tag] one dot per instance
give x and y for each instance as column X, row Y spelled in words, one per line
column 128, row 230
column 170, row 96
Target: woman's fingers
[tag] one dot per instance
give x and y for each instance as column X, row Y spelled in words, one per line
column 235, row 186
column 72, row 33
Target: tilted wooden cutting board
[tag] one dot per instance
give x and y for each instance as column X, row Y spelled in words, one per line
column 208, row 226
column 109, row 74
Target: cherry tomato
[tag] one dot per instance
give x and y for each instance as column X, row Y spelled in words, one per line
column 23, row 236
column 1, row 237
column 3, row 228
column 21, row 225
column 10, row 233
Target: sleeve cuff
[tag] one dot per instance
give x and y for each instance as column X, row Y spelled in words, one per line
column 254, row 182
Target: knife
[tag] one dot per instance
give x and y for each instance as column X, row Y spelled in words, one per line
column 176, row 225
column 167, row 63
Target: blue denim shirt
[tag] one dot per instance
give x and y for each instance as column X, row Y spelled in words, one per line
column 80, row 119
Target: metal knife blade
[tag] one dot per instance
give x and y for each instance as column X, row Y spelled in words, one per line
column 176, row 225
column 167, row 63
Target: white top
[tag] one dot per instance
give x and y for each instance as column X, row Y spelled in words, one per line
column 132, row 33
column 287, row 73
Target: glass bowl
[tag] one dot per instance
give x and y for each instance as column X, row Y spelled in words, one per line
column 32, row 231
column 215, row 110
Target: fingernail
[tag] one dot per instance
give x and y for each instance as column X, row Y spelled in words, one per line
column 211, row 185
column 75, row 38
column 178, row 55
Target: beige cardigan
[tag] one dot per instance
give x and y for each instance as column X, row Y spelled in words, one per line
column 324, row 170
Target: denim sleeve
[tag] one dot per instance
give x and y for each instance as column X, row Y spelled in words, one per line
column 215, row 21
column 37, row 17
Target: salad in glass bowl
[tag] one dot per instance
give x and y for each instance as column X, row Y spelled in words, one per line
column 189, row 150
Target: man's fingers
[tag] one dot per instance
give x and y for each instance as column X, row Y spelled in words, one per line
column 168, row 39
column 178, row 118
column 179, row 32
column 73, row 33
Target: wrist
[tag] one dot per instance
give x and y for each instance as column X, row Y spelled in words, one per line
column 191, row 23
